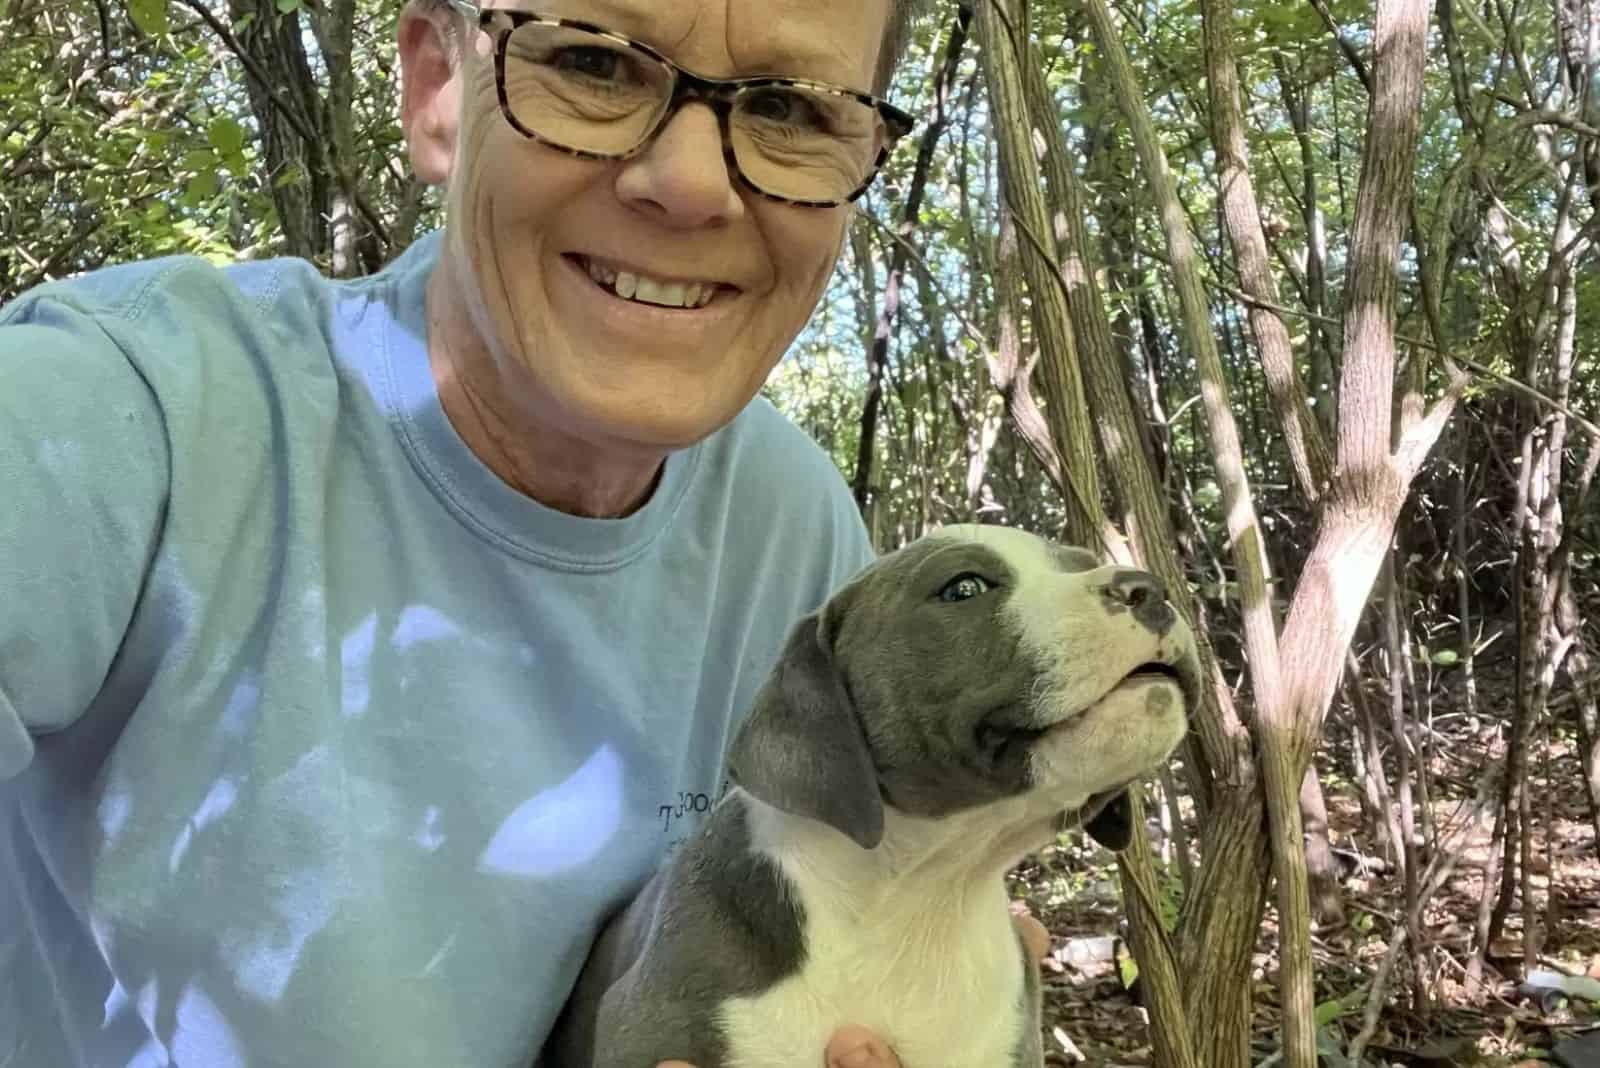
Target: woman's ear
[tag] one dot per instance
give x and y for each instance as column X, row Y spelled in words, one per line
column 430, row 91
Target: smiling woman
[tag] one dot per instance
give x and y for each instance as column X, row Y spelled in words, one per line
column 382, row 636
column 572, row 388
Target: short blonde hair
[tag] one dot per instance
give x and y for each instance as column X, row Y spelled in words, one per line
column 896, row 35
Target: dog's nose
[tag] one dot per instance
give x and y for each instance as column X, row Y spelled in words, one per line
column 1145, row 596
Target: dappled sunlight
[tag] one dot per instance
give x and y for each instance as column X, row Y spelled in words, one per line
column 355, row 658
column 428, row 835
column 216, row 804
column 150, row 1055
column 264, row 958
column 439, row 956
column 419, row 623
column 113, row 813
column 563, row 827
column 347, row 826
column 117, row 1003
column 63, row 459
column 239, row 716
column 202, row 1035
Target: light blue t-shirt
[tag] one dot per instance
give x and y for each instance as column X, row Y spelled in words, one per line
column 319, row 745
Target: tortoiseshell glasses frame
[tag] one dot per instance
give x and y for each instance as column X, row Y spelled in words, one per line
column 718, row 93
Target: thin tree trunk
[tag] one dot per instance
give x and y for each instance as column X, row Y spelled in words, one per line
column 1322, row 868
column 1585, row 681
column 1483, row 927
column 1386, row 820
column 1402, row 757
column 1008, row 369
column 878, row 358
column 1466, row 644
column 1220, row 1030
column 1067, row 412
column 1297, row 101
column 1226, row 743
column 1308, row 452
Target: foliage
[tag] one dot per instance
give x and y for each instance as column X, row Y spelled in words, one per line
column 145, row 130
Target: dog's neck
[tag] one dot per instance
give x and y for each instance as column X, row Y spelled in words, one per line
column 956, row 863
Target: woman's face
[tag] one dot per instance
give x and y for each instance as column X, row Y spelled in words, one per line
column 530, row 228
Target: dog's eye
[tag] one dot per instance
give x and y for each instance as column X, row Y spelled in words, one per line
column 964, row 587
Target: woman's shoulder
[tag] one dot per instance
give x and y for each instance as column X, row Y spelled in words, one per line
column 783, row 480
column 200, row 333
column 151, row 290
column 767, row 442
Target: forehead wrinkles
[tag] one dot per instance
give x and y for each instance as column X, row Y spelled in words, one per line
column 832, row 40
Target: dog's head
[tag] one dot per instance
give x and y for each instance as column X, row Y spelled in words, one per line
column 976, row 666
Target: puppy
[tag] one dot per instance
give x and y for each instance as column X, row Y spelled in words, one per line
column 938, row 719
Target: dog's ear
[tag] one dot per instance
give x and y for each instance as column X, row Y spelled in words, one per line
column 1112, row 826
column 801, row 748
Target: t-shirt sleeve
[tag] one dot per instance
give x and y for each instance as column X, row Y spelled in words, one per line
column 84, row 472
column 852, row 546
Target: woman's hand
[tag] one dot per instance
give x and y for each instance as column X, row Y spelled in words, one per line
column 856, row 1047
column 850, row 1047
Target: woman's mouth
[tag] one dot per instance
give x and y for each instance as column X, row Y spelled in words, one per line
column 644, row 289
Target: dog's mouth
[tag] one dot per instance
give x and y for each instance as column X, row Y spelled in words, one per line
column 1023, row 724
column 1154, row 669
column 1183, row 673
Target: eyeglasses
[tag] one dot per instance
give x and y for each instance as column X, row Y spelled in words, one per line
column 598, row 95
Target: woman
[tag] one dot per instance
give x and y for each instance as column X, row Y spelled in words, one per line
column 362, row 645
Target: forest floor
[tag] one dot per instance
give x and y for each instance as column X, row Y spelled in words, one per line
column 1092, row 1019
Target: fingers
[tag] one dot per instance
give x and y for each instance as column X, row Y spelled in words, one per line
column 1034, row 934
column 856, row 1047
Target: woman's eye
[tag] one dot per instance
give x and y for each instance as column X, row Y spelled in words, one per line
column 591, row 62
column 781, row 106
column 964, row 588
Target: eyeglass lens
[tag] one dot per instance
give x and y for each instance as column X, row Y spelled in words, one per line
column 589, row 93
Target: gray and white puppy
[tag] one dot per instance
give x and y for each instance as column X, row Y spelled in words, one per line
column 937, row 720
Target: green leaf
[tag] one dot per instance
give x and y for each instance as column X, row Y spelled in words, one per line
column 199, row 159
column 226, row 136
column 1446, row 657
column 1328, row 1012
column 149, row 15
column 1128, row 969
column 200, row 187
column 287, row 6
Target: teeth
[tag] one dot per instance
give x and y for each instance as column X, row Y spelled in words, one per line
column 649, row 291
column 668, row 294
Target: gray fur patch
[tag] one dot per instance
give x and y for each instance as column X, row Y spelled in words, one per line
column 894, row 651
column 717, row 922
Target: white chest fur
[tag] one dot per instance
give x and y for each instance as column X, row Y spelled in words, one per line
column 932, row 967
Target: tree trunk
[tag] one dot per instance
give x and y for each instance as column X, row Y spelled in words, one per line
column 284, row 101
column 1400, row 729
column 1067, row 411
column 1308, row 452
column 1297, row 101
column 1213, row 1022
column 878, row 357
column 1322, row 868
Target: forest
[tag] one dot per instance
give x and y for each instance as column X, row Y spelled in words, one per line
column 1294, row 304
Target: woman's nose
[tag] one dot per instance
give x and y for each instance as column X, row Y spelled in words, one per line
column 682, row 178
